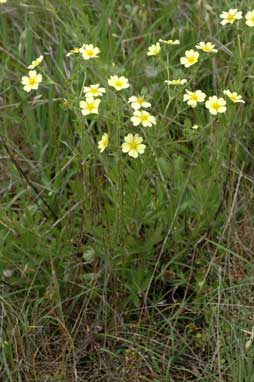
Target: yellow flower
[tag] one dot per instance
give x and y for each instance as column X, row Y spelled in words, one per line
column 207, row 47
column 103, row 143
column 249, row 17
column 170, row 42
column 89, row 106
column 94, row 90
column 233, row 96
column 36, row 62
column 154, row 49
column 32, row 81
column 144, row 118
column 133, row 145
column 192, row 98
column 216, row 105
column 176, row 82
column 191, row 57
column 73, row 51
column 118, row 83
column 195, row 127
column 3, row 1
column 230, row 16
column 89, row 51
column 138, row 103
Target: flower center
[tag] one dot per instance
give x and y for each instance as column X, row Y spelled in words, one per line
column 90, row 106
column 143, row 118
column 93, row 91
column 206, row 49
column 118, row 83
column 230, row 17
column 233, row 97
column 215, row 106
column 194, row 97
column 191, row 59
column 32, row 81
column 133, row 146
column 89, row 53
column 140, row 100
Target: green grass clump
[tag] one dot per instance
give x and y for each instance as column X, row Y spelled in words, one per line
column 114, row 268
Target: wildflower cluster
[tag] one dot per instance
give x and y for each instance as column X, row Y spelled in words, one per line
column 233, row 14
column 92, row 102
column 93, row 93
column 87, row 51
column 155, row 49
column 90, row 105
column 214, row 104
column 133, row 145
column 31, row 82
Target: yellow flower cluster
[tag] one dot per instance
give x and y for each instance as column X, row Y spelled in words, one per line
column 191, row 56
column 155, row 49
column 87, row 51
column 133, row 143
column 233, row 14
column 31, row 82
column 214, row 104
column 91, row 103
